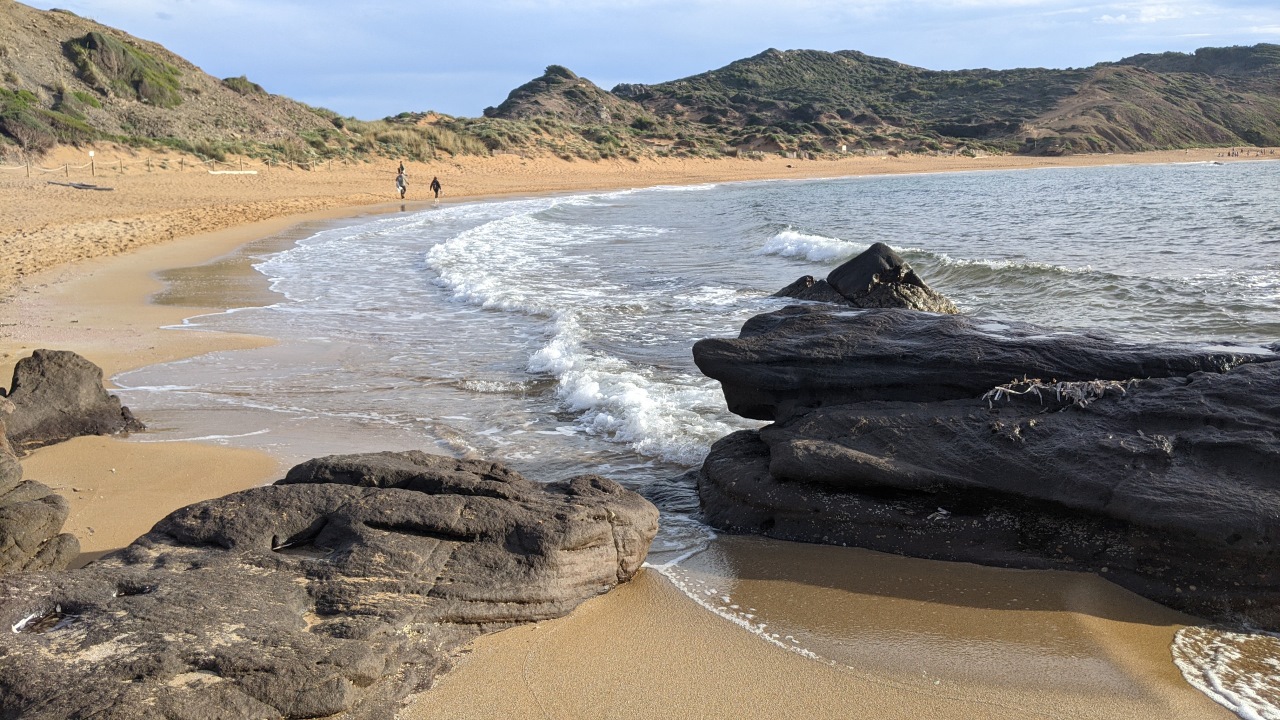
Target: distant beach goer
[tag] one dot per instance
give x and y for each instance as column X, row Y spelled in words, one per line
column 401, row 170
column 435, row 186
column 402, row 183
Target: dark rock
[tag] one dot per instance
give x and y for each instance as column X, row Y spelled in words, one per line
column 877, row 278
column 807, row 288
column 58, row 395
column 31, row 518
column 1153, row 466
column 311, row 598
column 803, row 357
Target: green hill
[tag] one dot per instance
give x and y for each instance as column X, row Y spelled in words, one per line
column 66, row 79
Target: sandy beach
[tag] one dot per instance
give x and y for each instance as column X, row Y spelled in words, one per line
column 81, row 272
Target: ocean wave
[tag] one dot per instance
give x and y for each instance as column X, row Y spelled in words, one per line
column 791, row 243
column 670, row 417
column 1238, row 670
column 944, row 261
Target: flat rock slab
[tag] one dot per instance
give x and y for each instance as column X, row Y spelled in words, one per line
column 313, row 598
column 803, row 357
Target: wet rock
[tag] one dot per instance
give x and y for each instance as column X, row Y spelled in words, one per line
column 58, row 395
column 939, row 437
column 876, row 278
column 31, row 518
column 312, row 598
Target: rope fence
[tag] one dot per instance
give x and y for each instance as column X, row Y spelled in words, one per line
column 119, row 167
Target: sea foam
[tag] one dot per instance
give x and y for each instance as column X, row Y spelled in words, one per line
column 791, row 243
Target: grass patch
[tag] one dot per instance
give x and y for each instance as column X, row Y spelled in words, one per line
column 112, row 67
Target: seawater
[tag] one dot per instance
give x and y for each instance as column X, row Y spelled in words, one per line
column 554, row 333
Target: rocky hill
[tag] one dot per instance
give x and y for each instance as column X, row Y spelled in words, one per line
column 69, row 79
column 1218, row 96
column 561, row 94
column 65, row 79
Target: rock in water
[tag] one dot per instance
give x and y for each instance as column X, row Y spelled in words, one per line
column 58, row 395
column 31, row 518
column 877, row 278
column 336, row 592
column 936, row 437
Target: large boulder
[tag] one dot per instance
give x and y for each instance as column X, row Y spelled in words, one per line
column 333, row 594
column 58, row 395
column 31, row 517
column 803, row 357
column 1011, row 446
column 876, row 278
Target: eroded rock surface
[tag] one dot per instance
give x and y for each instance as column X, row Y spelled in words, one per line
column 31, row 517
column 876, row 278
column 334, row 593
column 811, row 356
column 920, row 434
column 58, row 395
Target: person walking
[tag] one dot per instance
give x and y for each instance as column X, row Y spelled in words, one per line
column 435, row 186
column 402, row 183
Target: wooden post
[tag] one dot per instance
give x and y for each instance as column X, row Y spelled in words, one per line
column 242, row 164
column 66, row 168
column 148, row 164
column 182, row 163
column 121, row 166
column 28, row 168
column 93, row 169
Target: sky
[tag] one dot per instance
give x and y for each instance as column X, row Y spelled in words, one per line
column 378, row 58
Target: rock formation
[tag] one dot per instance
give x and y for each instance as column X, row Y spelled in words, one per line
column 877, row 278
column 58, row 395
column 941, row 437
column 335, row 592
column 31, row 517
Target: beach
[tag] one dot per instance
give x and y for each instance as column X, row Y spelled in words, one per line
column 83, row 268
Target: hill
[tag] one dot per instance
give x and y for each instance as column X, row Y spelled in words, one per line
column 1218, row 96
column 66, row 79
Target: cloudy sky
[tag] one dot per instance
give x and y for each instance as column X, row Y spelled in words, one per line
column 377, row 58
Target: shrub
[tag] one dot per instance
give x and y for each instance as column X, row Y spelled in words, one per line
column 112, row 66
column 243, row 86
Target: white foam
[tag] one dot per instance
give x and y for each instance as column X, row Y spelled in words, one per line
column 816, row 248
column 1225, row 666
column 669, row 418
column 205, row 438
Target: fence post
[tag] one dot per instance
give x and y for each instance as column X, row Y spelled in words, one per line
column 93, row 169
column 28, row 168
column 182, row 163
column 66, row 169
column 120, row 169
column 148, row 164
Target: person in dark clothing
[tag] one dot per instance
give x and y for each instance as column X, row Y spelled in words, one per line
column 401, row 170
column 435, row 186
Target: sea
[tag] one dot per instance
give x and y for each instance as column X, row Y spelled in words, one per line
column 554, row 333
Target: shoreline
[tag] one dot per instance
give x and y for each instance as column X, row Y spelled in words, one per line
column 47, row 226
column 106, row 309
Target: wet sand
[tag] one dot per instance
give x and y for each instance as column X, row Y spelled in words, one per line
column 846, row 633
column 894, row 640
